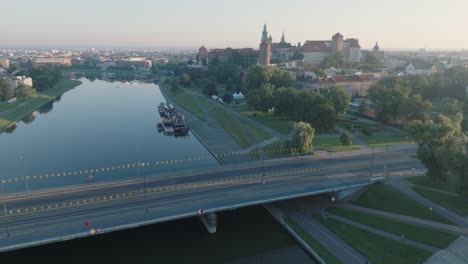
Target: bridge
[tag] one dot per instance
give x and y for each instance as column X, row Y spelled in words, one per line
column 32, row 218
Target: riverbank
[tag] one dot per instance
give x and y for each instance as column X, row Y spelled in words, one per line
column 206, row 128
column 12, row 113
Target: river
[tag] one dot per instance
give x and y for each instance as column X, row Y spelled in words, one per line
column 101, row 129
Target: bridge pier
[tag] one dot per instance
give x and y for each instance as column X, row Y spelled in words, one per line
column 345, row 193
column 210, row 220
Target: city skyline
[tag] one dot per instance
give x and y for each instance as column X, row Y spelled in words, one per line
column 187, row 24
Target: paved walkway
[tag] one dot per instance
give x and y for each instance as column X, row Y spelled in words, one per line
column 247, row 119
column 402, row 185
column 384, row 234
column 335, row 245
column 408, row 219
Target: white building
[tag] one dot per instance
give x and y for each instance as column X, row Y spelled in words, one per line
column 50, row 60
column 20, row 80
column 420, row 69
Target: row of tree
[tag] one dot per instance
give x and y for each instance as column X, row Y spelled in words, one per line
column 317, row 108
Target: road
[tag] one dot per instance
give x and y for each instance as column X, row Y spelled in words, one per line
column 51, row 215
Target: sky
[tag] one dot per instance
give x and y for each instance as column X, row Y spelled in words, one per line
column 395, row 24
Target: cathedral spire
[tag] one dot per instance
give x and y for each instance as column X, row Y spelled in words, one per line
column 283, row 39
column 265, row 33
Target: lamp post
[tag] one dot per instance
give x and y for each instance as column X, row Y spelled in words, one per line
column 25, row 178
column 372, row 159
column 144, row 185
column 5, row 219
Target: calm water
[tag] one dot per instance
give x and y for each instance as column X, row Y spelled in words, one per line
column 246, row 236
column 98, row 125
column 101, row 125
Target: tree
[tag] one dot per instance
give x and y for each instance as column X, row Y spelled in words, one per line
column 5, row 91
column 335, row 60
column 363, row 107
column 465, row 116
column 25, row 92
column 451, row 107
column 185, row 80
column 415, row 108
column 260, row 75
column 340, row 99
column 388, row 97
column 210, row 88
column 345, row 139
column 302, row 138
column 438, row 141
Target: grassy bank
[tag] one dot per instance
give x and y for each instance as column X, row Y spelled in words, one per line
column 376, row 248
column 332, row 144
column 19, row 110
column 454, row 203
column 421, row 234
column 281, row 125
column 383, row 197
column 326, row 255
column 385, row 140
column 449, row 186
column 185, row 100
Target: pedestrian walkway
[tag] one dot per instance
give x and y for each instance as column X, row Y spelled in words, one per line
column 408, row 219
column 456, row 253
column 405, row 188
column 335, row 245
column 384, row 234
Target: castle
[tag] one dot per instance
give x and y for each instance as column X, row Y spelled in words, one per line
column 313, row 51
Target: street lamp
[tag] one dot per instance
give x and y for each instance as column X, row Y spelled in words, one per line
column 25, row 178
column 5, row 219
column 372, row 159
column 144, row 185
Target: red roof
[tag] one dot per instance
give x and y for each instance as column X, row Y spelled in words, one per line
column 316, row 46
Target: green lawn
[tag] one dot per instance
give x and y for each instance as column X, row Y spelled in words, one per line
column 376, row 248
column 226, row 121
column 21, row 109
column 278, row 148
column 323, row 252
column 456, row 204
column 279, row 124
column 421, row 234
column 384, row 197
column 332, row 144
column 449, row 186
column 259, row 134
column 385, row 140
column 185, row 100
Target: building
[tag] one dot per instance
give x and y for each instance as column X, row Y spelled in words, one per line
column 203, row 56
column 279, row 51
column 5, row 63
column 420, row 69
column 352, row 84
column 316, row 51
column 265, row 48
column 16, row 81
column 66, row 61
column 245, row 57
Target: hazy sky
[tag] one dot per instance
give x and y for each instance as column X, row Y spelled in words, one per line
column 394, row 24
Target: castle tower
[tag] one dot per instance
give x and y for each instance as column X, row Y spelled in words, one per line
column 265, row 48
column 337, row 43
column 376, row 48
column 283, row 38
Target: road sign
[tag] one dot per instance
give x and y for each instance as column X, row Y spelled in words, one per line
column 200, row 211
column 92, row 231
column 86, row 224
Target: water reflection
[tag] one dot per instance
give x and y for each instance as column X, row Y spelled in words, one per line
column 47, row 107
column 29, row 118
column 11, row 129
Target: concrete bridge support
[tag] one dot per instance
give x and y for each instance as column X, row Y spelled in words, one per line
column 345, row 193
column 210, row 220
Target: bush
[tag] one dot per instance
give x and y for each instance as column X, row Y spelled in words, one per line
column 366, row 131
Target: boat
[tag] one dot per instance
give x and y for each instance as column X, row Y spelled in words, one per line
column 160, row 127
column 167, row 126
